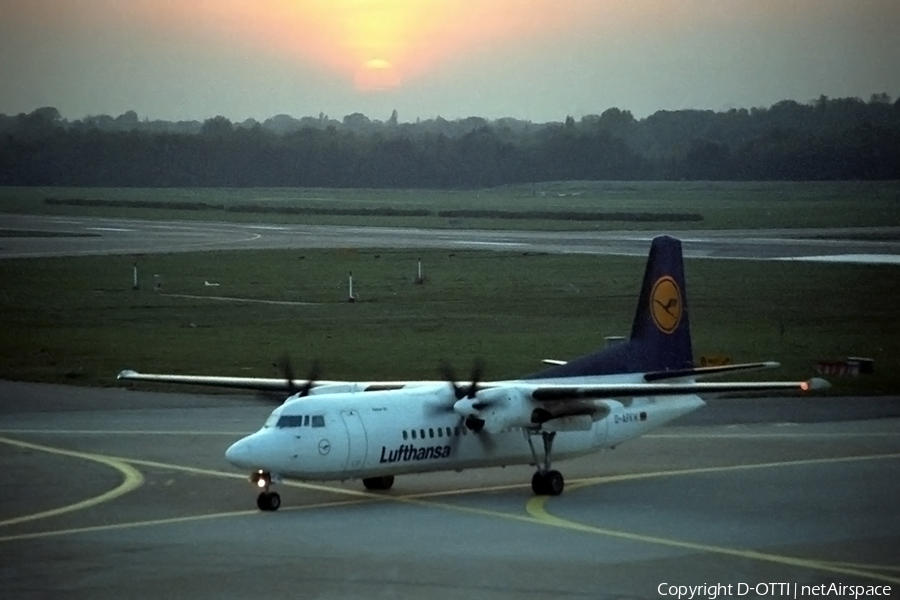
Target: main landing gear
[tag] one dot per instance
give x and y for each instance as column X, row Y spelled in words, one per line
column 546, row 481
column 378, row 483
column 267, row 500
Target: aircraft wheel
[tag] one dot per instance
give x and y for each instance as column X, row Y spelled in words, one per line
column 553, row 480
column 547, row 483
column 268, row 501
column 379, row 483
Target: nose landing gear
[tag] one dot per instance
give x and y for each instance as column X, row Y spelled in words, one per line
column 267, row 500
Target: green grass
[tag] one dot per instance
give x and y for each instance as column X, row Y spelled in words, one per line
column 722, row 204
column 77, row 320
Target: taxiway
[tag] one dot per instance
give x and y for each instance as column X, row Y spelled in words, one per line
column 118, row 493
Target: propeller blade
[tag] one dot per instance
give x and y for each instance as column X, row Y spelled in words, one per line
column 477, row 373
column 314, row 372
column 287, row 371
column 449, row 376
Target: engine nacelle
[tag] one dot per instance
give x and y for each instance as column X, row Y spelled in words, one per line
column 574, row 423
column 499, row 408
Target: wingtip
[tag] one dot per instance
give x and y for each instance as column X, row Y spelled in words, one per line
column 816, row 383
column 126, row 374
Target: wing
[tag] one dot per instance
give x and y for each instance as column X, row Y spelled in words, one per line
column 708, row 371
column 264, row 384
column 243, row 383
column 526, row 404
column 563, row 393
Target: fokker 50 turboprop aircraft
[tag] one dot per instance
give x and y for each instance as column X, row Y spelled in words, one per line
column 337, row 430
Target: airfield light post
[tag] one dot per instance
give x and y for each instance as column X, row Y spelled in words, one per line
column 419, row 279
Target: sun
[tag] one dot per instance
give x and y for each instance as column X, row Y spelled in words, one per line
column 375, row 75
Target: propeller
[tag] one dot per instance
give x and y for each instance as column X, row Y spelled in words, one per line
column 469, row 392
column 463, row 391
column 287, row 371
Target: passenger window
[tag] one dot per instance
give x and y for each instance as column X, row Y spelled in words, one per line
column 306, row 421
column 456, row 431
column 413, row 434
column 448, row 432
column 318, row 421
column 440, row 432
column 404, row 434
column 430, row 432
column 422, row 433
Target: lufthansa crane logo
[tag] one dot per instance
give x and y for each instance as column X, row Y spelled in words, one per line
column 665, row 304
column 324, row 447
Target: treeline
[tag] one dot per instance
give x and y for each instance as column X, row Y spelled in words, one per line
column 828, row 139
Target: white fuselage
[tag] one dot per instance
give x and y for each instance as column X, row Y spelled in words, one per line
column 350, row 435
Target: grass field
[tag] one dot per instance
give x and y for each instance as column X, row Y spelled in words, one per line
column 77, row 319
column 720, row 204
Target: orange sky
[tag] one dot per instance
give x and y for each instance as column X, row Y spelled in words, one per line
column 375, row 43
column 535, row 59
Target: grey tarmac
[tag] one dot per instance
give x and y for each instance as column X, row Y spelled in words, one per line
column 120, row 493
column 90, row 235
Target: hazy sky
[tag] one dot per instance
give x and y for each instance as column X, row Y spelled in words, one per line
column 531, row 59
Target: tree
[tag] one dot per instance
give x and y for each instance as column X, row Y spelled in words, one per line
column 218, row 126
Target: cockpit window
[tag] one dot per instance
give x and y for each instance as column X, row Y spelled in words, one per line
column 290, row 421
column 306, row 421
column 318, row 421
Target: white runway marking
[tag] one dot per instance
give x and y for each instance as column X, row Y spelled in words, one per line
column 865, row 259
column 478, row 243
column 230, row 299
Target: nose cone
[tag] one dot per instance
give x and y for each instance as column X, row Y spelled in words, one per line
column 240, row 454
column 465, row 407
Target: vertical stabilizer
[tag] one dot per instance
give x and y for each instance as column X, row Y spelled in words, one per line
column 661, row 324
column 660, row 334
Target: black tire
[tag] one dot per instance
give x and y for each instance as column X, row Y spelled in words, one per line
column 379, row 483
column 554, row 483
column 268, row 501
column 539, row 484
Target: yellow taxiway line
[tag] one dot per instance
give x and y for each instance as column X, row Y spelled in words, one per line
column 132, row 480
column 535, row 508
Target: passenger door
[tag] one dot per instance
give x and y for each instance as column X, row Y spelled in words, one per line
column 357, row 441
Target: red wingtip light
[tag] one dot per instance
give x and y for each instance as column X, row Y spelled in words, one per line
column 804, row 386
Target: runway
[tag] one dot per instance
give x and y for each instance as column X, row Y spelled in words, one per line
column 117, row 493
column 80, row 236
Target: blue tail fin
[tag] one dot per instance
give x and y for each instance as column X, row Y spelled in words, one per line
column 660, row 334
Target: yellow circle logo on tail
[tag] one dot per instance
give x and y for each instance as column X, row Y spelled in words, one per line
column 665, row 304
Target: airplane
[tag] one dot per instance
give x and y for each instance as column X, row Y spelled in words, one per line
column 374, row 431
